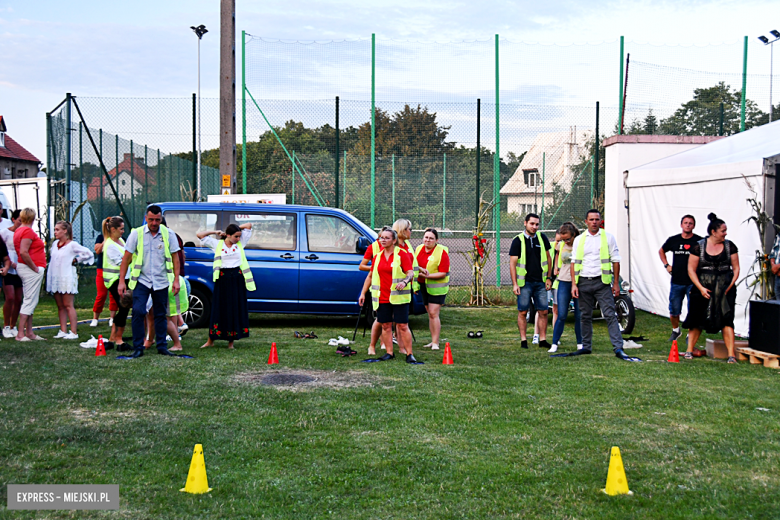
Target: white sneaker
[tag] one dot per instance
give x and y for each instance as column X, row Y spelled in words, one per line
column 535, row 341
column 342, row 341
column 60, row 335
column 110, row 322
column 553, row 348
column 70, row 335
column 93, row 323
column 395, row 341
column 434, row 346
column 333, row 342
column 15, row 331
column 579, row 346
column 183, row 329
column 8, row 333
column 90, row 343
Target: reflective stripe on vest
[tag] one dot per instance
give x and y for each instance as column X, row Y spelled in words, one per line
column 521, row 270
column 396, row 297
column 110, row 271
column 138, row 257
column 415, row 266
column 606, row 264
column 560, row 261
column 244, row 266
column 442, row 285
column 178, row 303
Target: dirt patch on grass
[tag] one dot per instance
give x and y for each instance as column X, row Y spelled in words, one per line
column 302, row 380
column 96, row 416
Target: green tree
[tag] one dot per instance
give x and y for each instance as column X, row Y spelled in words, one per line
column 701, row 115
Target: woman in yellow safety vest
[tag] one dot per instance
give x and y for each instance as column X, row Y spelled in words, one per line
column 113, row 251
column 562, row 286
column 434, row 279
column 391, row 292
column 232, row 280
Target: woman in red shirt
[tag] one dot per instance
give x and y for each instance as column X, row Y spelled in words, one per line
column 434, row 281
column 31, row 268
column 388, row 313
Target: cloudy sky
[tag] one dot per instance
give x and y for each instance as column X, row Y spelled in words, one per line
column 146, row 49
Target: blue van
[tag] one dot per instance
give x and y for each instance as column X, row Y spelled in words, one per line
column 304, row 259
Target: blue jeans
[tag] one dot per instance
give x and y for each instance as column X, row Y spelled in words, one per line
column 535, row 290
column 676, row 295
column 160, row 307
column 564, row 297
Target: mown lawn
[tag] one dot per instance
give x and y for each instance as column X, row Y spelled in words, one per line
column 503, row 433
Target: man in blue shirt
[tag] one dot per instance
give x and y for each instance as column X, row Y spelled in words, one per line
column 150, row 276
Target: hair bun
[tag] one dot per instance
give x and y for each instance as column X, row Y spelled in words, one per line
column 712, row 217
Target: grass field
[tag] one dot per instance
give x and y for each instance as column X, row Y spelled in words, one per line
column 503, row 433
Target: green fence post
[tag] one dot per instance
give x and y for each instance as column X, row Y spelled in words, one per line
column 744, row 87
column 293, row 177
column 592, row 169
column 444, row 195
column 393, row 184
column 496, row 180
column 620, row 105
column 243, row 110
column 132, row 176
column 81, row 181
column 544, row 165
column 373, row 125
column 102, row 212
column 146, row 174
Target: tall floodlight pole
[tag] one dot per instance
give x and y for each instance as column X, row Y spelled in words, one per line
column 767, row 41
column 199, row 32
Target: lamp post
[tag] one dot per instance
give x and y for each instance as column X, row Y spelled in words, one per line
column 199, row 32
column 767, row 41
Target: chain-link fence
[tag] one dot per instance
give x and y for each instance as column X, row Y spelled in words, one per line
column 137, row 174
column 432, row 132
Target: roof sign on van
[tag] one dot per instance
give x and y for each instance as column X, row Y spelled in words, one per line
column 253, row 198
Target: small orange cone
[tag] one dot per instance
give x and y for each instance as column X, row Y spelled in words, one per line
column 674, row 355
column 101, row 349
column 273, row 357
column 447, row 355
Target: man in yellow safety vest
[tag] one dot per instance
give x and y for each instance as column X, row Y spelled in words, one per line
column 530, row 269
column 595, row 274
column 154, row 268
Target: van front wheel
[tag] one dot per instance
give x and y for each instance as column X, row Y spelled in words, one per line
column 199, row 313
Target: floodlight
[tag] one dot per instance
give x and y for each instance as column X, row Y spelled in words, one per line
column 775, row 33
column 763, row 39
column 199, row 30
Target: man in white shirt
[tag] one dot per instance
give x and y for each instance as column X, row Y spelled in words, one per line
column 590, row 271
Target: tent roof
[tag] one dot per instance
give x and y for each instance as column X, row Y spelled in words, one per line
column 755, row 144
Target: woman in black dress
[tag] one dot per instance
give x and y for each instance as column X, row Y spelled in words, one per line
column 714, row 269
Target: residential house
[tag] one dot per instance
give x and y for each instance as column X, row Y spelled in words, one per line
column 130, row 177
column 15, row 161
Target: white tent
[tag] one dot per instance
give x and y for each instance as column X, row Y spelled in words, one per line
column 717, row 177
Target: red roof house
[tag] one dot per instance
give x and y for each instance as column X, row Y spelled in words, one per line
column 15, row 161
column 129, row 179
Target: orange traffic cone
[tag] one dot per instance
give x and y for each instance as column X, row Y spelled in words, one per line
column 101, row 349
column 447, row 355
column 273, row 357
column 674, row 355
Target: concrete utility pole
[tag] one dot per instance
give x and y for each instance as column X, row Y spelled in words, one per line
column 227, row 95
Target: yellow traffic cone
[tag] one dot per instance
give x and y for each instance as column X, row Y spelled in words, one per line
column 197, row 482
column 617, row 484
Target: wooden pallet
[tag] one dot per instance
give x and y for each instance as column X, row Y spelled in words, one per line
column 758, row 358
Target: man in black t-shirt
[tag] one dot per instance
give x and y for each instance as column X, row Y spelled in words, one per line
column 530, row 269
column 680, row 247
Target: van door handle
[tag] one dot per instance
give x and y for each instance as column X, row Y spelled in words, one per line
column 311, row 257
column 286, row 256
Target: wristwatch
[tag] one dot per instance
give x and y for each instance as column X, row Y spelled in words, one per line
column 665, row 266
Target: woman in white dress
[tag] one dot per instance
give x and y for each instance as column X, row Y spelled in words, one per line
column 12, row 283
column 62, row 279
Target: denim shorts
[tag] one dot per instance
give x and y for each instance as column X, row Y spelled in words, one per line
column 536, row 291
column 676, row 295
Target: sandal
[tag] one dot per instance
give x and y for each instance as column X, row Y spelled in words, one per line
column 310, row 335
column 297, row 334
column 478, row 334
column 731, row 360
column 471, row 335
column 688, row 355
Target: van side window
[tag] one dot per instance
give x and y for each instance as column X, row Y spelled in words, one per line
column 277, row 231
column 328, row 234
column 187, row 223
